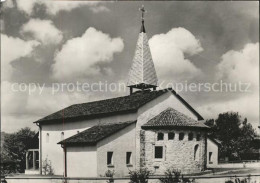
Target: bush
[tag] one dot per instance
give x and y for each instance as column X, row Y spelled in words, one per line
column 229, row 181
column 173, row 176
column 110, row 173
column 47, row 167
column 139, row 176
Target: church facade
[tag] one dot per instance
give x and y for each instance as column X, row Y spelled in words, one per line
column 154, row 129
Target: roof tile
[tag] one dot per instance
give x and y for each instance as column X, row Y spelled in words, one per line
column 172, row 118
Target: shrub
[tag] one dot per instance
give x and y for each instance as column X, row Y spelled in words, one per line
column 47, row 167
column 174, row 176
column 139, row 176
column 110, row 174
column 229, row 181
column 171, row 176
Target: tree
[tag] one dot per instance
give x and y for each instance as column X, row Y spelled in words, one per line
column 236, row 135
column 15, row 146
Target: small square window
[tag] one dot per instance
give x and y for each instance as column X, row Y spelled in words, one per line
column 171, row 136
column 128, row 158
column 190, row 136
column 181, row 136
column 160, row 136
column 210, row 157
column 109, row 158
column 198, row 138
column 158, row 152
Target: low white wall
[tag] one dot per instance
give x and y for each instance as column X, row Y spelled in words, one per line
column 236, row 165
column 255, row 179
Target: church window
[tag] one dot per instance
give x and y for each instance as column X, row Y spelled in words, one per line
column 198, row 137
column 171, row 136
column 109, row 158
column 158, row 152
column 128, row 158
column 62, row 136
column 181, row 136
column 190, row 136
column 160, row 136
column 47, row 137
column 196, row 152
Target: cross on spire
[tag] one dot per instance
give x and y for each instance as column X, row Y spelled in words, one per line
column 143, row 11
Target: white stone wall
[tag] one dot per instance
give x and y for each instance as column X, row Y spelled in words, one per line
column 54, row 152
column 178, row 154
column 118, row 143
column 212, row 147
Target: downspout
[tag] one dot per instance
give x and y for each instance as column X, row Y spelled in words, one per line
column 65, row 159
column 206, row 151
column 40, row 147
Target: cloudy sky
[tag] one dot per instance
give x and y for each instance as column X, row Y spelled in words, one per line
column 45, row 42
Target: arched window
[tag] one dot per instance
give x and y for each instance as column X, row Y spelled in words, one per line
column 47, row 137
column 181, row 136
column 171, row 135
column 196, row 152
column 190, row 136
column 62, row 136
column 160, row 136
column 198, row 137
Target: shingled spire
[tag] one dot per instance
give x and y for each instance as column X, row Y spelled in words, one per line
column 142, row 74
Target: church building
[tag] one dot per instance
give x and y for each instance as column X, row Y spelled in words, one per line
column 151, row 128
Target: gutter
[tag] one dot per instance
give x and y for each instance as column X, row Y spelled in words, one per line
column 40, row 147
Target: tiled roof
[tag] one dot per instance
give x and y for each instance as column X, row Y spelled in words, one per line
column 142, row 70
column 172, row 118
column 96, row 133
column 117, row 105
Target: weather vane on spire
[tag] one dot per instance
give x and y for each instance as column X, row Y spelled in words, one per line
column 143, row 11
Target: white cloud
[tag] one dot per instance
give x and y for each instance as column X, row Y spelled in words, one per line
column 247, row 106
column 168, row 51
column 19, row 108
column 11, row 49
column 79, row 56
column 239, row 66
column 53, row 7
column 43, row 30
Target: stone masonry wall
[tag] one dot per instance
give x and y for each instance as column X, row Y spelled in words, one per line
column 178, row 154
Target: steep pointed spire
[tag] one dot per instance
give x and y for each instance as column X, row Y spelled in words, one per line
column 142, row 74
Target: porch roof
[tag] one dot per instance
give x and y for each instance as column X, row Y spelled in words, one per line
column 95, row 134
